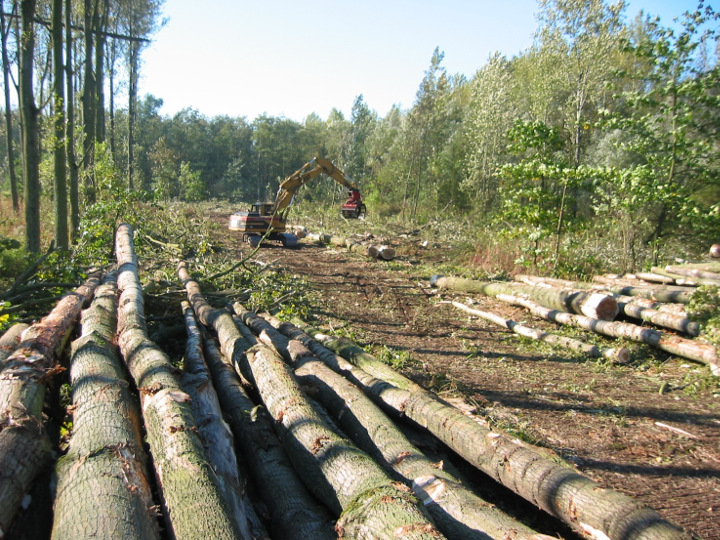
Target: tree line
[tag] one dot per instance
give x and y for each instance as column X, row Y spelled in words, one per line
column 600, row 139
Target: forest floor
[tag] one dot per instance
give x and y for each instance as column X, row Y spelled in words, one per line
column 610, row 422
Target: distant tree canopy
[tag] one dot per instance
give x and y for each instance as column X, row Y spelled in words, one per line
column 604, row 128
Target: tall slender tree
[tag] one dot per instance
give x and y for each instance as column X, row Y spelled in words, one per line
column 10, row 147
column 61, row 197
column 30, row 128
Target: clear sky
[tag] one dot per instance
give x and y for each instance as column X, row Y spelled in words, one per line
column 295, row 57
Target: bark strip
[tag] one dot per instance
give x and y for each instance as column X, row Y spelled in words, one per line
column 192, row 500
column 552, row 486
column 10, row 341
column 103, row 489
column 698, row 351
column 618, row 355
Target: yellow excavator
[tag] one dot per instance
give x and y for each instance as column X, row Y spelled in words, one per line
column 269, row 218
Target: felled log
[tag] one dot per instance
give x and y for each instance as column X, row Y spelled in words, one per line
column 655, row 277
column 662, row 293
column 619, row 355
column 692, row 276
column 698, row 351
column 369, row 504
column 457, row 511
column 556, row 488
column 637, row 310
column 214, row 432
column 600, row 306
column 10, row 341
column 24, row 443
column 192, row 501
column 102, row 485
column 293, row 512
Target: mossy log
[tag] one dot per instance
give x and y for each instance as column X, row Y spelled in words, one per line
column 698, row 351
column 689, row 276
column 549, row 484
column 294, row 512
column 592, row 304
column 457, row 511
column 102, row 484
column 214, row 432
column 10, row 341
column 619, row 355
column 24, row 443
column 192, row 501
column 369, row 504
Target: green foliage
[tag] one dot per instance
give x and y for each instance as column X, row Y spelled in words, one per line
column 192, row 187
column 704, row 307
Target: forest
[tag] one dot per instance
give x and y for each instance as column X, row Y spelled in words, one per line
column 595, row 147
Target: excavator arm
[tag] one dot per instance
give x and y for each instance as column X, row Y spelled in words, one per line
column 307, row 172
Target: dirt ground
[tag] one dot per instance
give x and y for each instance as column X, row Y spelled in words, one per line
column 613, row 423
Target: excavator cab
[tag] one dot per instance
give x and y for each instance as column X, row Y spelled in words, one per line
column 353, row 208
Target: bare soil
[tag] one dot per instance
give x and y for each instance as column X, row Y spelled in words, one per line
column 611, row 422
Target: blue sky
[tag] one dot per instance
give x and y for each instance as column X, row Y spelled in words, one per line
column 295, row 57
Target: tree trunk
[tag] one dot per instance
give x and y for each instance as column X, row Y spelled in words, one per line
column 698, row 351
column 89, row 104
column 689, row 277
column 132, row 105
column 618, row 355
column 10, row 341
column 660, row 293
column 30, row 129
column 61, row 198
column 193, row 504
column 457, row 511
column 665, row 319
column 24, row 444
column 70, row 128
column 599, row 306
column 101, row 18
column 342, row 476
column 294, row 513
column 10, row 147
column 215, row 434
column 554, row 487
column 103, row 489
column 654, row 278
column 293, row 510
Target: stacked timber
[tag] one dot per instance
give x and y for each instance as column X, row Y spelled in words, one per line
column 383, row 252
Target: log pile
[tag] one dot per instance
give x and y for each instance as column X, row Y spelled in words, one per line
column 270, row 430
column 653, row 298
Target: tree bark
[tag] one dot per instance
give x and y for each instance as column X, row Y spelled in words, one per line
column 457, row 511
column 693, row 272
column 698, row 351
column 10, row 147
column 70, row 128
column 600, row 306
column 193, row 504
column 102, row 487
column 618, row 355
column 688, row 278
column 661, row 293
column 554, row 487
column 89, row 104
column 10, row 341
column 61, row 198
column 24, row 444
column 215, row 434
column 665, row 319
column 30, row 129
column 343, row 477
column 294, row 512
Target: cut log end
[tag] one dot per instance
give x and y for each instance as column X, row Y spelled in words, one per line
column 600, row 306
